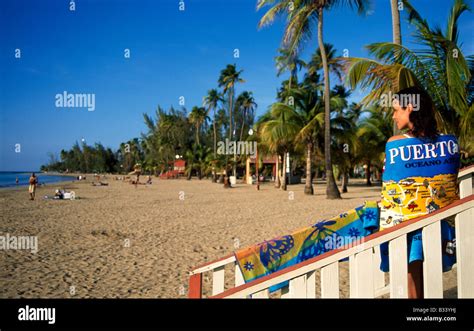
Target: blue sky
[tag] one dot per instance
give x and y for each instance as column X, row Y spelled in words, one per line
column 172, row 53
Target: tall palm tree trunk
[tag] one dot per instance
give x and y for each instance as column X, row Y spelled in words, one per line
column 234, row 164
column 396, row 32
column 226, row 171
column 214, row 177
column 197, row 134
column 345, row 179
column 367, row 174
column 308, row 188
column 190, row 173
column 283, row 170
column 230, row 112
column 332, row 192
column 277, row 171
column 397, row 38
column 242, row 128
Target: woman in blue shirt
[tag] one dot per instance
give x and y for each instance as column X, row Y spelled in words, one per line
column 420, row 176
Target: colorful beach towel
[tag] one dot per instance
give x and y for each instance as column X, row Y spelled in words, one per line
column 270, row 256
column 420, row 177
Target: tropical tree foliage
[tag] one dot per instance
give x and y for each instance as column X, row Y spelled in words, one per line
column 439, row 66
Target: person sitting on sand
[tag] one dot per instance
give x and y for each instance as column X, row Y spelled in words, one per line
column 33, row 181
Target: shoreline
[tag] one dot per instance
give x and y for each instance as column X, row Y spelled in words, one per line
column 25, row 185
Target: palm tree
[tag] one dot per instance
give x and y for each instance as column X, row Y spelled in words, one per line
column 198, row 116
column 279, row 132
column 167, row 136
column 310, row 110
column 246, row 104
column 335, row 64
column 264, row 145
column 189, row 155
column 289, row 61
column 227, row 79
column 301, row 15
column 397, row 38
column 212, row 100
column 345, row 127
column 311, row 120
column 396, row 31
column 440, row 68
column 200, row 159
column 373, row 131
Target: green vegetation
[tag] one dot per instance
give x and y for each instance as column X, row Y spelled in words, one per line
column 310, row 119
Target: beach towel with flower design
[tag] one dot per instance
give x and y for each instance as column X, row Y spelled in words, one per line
column 265, row 258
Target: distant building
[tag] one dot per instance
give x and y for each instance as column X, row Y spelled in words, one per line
column 179, row 166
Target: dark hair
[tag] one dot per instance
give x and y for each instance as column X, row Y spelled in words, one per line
column 423, row 115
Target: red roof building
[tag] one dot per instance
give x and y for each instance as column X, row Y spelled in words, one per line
column 179, row 166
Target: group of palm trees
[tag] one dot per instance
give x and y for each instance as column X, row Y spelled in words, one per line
column 176, row 134
column 311, row 120
column 306, row 109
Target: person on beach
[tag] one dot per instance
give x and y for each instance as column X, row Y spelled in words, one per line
column 419, row 177
column 32, row 188
column 17, row 181
column 59, row 194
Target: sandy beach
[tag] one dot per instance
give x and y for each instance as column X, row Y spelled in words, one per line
column 119, row 241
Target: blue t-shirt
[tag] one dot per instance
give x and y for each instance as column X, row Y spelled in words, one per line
column 420, row 176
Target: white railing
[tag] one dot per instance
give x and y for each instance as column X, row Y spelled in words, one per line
column 365, row 278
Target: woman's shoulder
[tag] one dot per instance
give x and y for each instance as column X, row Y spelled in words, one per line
column 405, row 136
column 397, row 137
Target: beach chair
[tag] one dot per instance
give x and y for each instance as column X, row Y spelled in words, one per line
column 365, row 278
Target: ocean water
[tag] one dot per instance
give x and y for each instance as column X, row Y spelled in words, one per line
column 7, row 178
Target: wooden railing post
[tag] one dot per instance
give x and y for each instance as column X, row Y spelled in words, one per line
column 465, row 184
column 432, row 264
column 398, row 267
column 218, row 280
column 379, row 275
column 464, row 253
column 195, row 286
column 298, row 287
column 311, row 285
column 239, row 277
column 465, row 241
column 364, row 274
column 330, row 280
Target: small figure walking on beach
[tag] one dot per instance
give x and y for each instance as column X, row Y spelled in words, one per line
column 17, row 181
column 138, row 180
column 32, row 188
